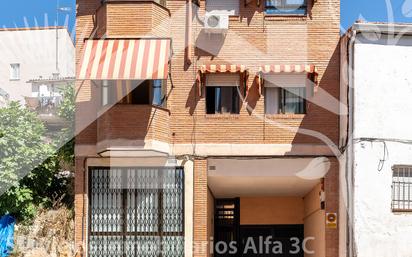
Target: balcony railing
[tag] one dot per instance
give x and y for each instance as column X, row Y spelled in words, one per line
column 44, row 105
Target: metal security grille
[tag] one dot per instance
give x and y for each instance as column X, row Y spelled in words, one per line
column 401, row 188
column 136, row 212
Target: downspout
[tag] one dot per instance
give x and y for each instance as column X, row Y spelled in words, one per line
column 351, row 246
column 189, row 32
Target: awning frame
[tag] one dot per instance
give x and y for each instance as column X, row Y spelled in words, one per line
column 310, row 70
column 220, row 68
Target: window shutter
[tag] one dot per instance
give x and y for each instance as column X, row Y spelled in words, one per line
column 223, row 80
column 285, row 80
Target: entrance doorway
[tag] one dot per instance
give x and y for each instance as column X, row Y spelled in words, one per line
column 251, row 240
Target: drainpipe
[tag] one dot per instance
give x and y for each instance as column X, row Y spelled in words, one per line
column 189, row 32
column 351, row 245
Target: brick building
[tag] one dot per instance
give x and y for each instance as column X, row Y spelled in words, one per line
column 206, row 123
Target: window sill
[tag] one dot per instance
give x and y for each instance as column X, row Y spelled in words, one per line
column 275, row 17
column 14, row 80
column 402, row 211
column 285, row 116
column 219, row 116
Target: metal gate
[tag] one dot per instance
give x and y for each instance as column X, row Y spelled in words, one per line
column 136, row 212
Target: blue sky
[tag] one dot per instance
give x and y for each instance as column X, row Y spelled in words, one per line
column 375, row 10
column 14, row 12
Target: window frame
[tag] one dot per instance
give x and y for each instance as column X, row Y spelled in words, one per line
column 12, row 78
column 396, row 199
column 287, row 9
column 112, row 93
column 282, row 100
column 225, row 83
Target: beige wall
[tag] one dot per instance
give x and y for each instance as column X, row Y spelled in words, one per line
column 271, row 210
column 314, row 221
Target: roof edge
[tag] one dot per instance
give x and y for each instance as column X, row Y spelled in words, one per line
column 386, row 28
column 33, row 28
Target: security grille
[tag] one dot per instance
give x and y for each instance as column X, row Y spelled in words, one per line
column 401, row 188
column 136, row 212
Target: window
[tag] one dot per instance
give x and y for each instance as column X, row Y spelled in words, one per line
column 15, row 71
column 285, row 94
column 286, row 7
column 136, row 211
column 134, row 92
column 402, row 188
column 222, row 94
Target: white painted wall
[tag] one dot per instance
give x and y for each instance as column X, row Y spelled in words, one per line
column 35, row 50
column 382, row 109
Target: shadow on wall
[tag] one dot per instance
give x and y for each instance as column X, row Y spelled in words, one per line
column 319, row 119
column 247, row 11
column 253, row 94
column 193, row 99
column 209, row 44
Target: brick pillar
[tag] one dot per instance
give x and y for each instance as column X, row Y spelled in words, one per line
column 80, row 207
column 332, row 206
column 200, row 209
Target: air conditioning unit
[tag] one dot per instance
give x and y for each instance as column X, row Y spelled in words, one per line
column 216, row 23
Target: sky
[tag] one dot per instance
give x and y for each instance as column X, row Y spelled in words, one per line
column 23, row 13
column 20, row 13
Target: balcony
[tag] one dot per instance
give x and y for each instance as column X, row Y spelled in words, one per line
column 132, row 126
column 46, row 108
column 133, row 18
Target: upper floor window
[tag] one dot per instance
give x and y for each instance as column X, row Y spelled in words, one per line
column 15, row 71
column 286, row 7
column 150, row 92
column 402, row 188
column 285, row 94
column 222, row 94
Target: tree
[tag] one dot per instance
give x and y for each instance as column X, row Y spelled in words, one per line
column 22, row 144
column 31, row 164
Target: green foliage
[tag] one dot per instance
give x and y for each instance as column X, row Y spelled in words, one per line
column 22, row 145
column 31, row 164
column 66, row 109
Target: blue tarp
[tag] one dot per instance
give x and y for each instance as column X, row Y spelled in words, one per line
column 7, row 223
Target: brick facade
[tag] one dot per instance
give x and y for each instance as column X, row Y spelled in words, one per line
column 253, row 39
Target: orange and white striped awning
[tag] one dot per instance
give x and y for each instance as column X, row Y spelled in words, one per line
column 214, row 68
column 128, row 59
column 274, row 68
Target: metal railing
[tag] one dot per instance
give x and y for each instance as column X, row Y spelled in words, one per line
column 44, row 105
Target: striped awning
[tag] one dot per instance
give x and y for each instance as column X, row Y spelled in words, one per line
column 219, row 68
column 213, row 68
column 274, row 68
column 128, row 59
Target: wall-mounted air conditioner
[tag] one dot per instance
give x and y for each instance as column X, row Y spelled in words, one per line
column 216, row 23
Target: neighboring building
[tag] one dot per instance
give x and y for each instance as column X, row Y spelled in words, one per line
column 377, row 86
column 4, row 98
column 217, row 119
column 47, row 94
column 30, row 54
